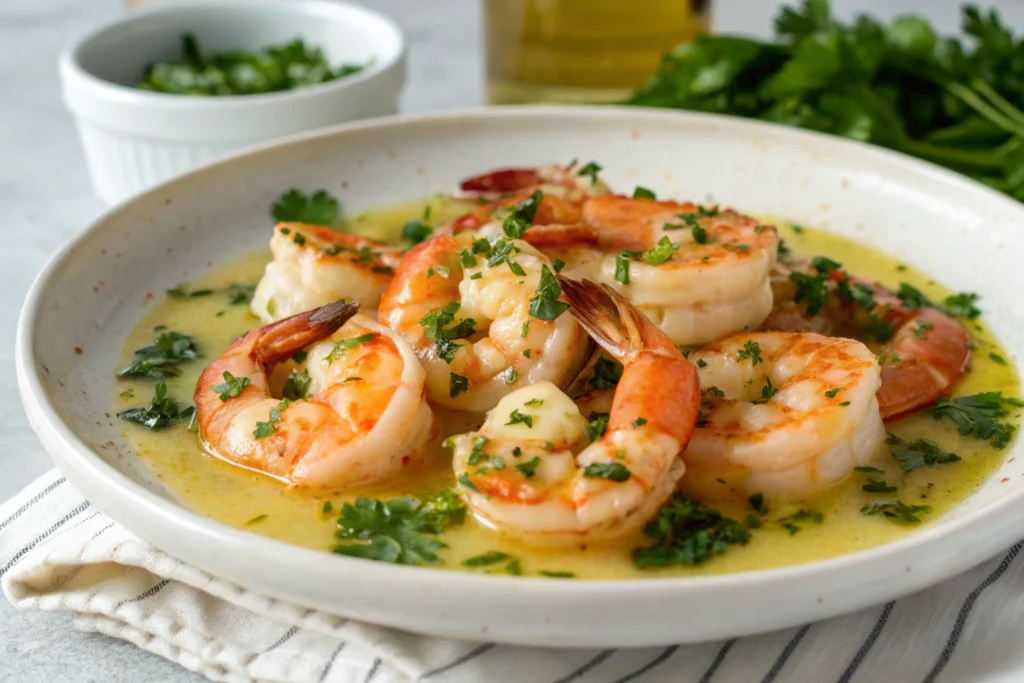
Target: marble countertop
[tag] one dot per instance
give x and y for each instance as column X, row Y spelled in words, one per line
column 45, row 196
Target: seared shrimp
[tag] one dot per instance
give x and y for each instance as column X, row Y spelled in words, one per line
column 526, row 470
column 555, row 222
column 699, row 273
column 484, row 318
column 314, row 265
column 784, row 414
column 572, row 182
column 923, row 351
column 356, row 415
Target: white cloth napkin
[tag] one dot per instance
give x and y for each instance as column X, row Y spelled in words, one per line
column 58, row 552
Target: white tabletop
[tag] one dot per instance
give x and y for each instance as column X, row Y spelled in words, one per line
column 45, row 196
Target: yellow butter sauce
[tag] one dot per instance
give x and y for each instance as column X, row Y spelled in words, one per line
column 238, row 497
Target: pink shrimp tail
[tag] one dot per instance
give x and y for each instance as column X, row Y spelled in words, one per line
column 277, row 341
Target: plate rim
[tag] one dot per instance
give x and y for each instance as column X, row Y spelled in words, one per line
column 79, row 457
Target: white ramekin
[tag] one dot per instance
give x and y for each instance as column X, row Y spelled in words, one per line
column 135, row 138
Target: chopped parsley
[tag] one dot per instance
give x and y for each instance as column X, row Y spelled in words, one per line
column 447, row 350
column 590, row 169
column 518, row 221
column 639, row 422
column 257, row 519
column 896, row 511
column 545, row 304
column 757, row 502
column 231, row 386
column 660, row 252
column 978, row 415
column 319, row 208
column 486, row 559
column 831, row 393
column 750, row 350
column 919, row 453
column 416, row 231
column 803, row 515
column 556, row 574
column 297, row 385
column 997, row 358
column 327, row 508
column 962, row 305
column 622, row 260
column 597, row 423
column 767, row 391
column 612, row 471
column 400, row 530
column 435, row 324
column 515, row 417
column 643, row 193
column 689, row 533
column 343, row 345
column 160, row 359
column 265, row 429
column 180, row 292
column 162, row 412
column 607, row 373
column 529, row 467
column 810, row 288
column 457, row 384
column 878, row 486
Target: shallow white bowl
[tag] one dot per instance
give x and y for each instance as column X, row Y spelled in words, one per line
column 92, row 292
column 135, row 138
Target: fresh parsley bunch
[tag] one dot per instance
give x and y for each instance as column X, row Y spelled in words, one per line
column 953, row 101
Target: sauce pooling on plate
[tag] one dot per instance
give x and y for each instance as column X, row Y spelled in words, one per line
column 924, row 468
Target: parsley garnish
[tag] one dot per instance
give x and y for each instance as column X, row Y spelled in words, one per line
column 812, row 289
column 400, row 530
column 319, row 208
column 486, row 559
column 757, row 502
column 590, row 169
column 660, row 252
column 607, row 373
column 896, row 511
column 529, row 467
column 597, row 423
column 162, row 412
column 435, row 325
column 613, row 471
column 297, row 385
column 265, row 429
column 919, row 453
column 416, row 231
column 643, row 193
column 687, row 532
column 803, row 515
column 231, row 386
column 457, row 384
column 978, row 415
column 518, row 221
column 257, row 519
column 343, row 345
column 515, row 417
column 622, row 264
column 556, row 574
column 831, row 393
column 750, row 350
column 545, row 305
column 878, row 486
column 962, row 305
column 161, row 358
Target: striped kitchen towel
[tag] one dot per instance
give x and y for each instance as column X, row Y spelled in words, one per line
column 57, row 552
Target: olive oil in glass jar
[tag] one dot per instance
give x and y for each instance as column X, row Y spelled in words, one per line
column 581, row 50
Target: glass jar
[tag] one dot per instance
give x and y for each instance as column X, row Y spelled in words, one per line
column 581, row 50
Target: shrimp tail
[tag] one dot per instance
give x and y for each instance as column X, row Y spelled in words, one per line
column 611, row 320
column 279, row 340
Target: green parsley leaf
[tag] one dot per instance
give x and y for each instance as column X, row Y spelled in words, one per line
column 343, row 345
column 607, row 373
column 643, row 193
column 812, row 289
column 416, row 231
column 435, row 324
column 297, row 385
column 597, row 423
column 162, row 412
column 757, row 502
column 400, row 530
column 622, row 260
column 978, row 415
column 612, row 471
column 896, row 511
column 877, row 486
column 687, row 532
column 660, row 252
column 486, row 559
column 319, row 208
column 161, row 358
column 962, row 305
column 556, row 574
column 919, row 453
column 750, row 350
column 545, row 305
column 231, row 386
column 457, row 384
column 515, row 417
column 590, row 169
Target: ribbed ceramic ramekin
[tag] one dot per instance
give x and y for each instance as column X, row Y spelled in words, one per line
column 135, row 138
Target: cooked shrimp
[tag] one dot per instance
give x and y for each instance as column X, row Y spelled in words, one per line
column 555, row 222
column 314, row 265
column 529, row 469
column 468, row 310
column 572, row 182
column 784, row 414
column 923, row 351
column 362, row 416
column 699, row 273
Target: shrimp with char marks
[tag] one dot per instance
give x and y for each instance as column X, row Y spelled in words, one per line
column 530, row 471
column 357, row 412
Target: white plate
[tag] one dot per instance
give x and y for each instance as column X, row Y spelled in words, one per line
column 93, row 291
